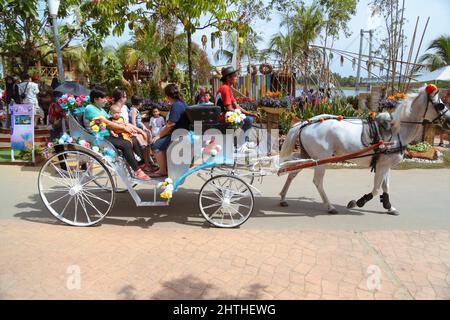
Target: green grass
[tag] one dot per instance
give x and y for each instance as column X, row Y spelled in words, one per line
column 5, row 155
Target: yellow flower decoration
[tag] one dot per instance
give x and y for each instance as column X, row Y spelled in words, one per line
column 95, row 128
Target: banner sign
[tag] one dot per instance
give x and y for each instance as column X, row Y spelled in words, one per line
column 22, row 127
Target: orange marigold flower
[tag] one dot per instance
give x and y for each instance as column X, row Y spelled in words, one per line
column 321, row 119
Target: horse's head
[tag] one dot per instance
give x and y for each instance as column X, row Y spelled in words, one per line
column 439, row 112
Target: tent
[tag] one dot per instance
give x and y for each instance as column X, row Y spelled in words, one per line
column 442, row 74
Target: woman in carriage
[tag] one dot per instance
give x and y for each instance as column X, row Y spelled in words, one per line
column 177, row 119
column 95, row 113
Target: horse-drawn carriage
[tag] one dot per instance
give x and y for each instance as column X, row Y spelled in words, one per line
column 78, row 184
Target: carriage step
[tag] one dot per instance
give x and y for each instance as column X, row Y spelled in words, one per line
column 152, row 181
column 153, row 203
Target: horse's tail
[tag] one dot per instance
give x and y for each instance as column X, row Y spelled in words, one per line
column 289, row 143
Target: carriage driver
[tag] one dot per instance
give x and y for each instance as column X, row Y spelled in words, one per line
column 225, row 99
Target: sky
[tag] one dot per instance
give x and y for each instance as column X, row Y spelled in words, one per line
column 438, row 10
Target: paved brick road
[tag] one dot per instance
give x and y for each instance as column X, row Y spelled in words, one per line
column 51, row 261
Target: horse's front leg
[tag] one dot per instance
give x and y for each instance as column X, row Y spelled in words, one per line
column 378, row 180
column 319, row 173
column 285, row 189
column 384, row 198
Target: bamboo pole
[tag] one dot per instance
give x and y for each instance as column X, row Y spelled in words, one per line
column 401, row 41
column 418, row 51
column 411, row 50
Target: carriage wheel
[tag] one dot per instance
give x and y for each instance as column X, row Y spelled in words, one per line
column 69, row 186
column 226, row 201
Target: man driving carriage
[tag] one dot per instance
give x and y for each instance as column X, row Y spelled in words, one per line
column 225, row 99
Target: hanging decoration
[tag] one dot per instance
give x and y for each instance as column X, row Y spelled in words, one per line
column 221, row 42
column 265, row 68
column 213, row 40
column 342, row 61
column 369, row 65
column 354, row 64
column 204, row 41
column 381, row 68
column 251, row 69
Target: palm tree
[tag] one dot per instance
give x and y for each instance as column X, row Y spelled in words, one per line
column 441, row 55
column 306, row 25
column 294, row 48
column 247, row 49
column 279, row 48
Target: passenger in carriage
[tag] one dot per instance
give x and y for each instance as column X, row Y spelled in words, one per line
column 177, row 119
column 95, row 111
column 143, row 137
column 119, row 98
column 225, row 99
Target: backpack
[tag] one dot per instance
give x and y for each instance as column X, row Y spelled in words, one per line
column 23, row 95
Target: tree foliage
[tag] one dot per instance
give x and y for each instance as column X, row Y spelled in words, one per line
column 440, row 55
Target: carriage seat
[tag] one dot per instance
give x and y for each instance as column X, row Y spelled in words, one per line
column 208, row 114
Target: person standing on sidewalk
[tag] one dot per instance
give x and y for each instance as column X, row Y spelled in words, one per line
column 28, row 91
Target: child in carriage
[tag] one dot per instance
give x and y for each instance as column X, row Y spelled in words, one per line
column 135, row 119
column 141, row 135
column 156, row 122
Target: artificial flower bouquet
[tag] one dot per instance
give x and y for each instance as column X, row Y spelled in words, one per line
column 235, row 118
column 70, row 103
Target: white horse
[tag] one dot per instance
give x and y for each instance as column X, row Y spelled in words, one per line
column 336, row 138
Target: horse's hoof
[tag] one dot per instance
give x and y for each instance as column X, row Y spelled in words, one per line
column 351, row 204
column 333, row 211
column 393, row 212
column 284, row 203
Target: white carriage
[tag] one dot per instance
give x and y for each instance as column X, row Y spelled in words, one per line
column 79, row 182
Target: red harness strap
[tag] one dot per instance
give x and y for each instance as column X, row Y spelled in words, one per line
column 314, row 163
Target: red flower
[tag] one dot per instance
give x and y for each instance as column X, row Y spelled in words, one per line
column 65, row 100
column 340, row 118
column 430, row 88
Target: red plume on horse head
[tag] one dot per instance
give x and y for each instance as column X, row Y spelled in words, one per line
column 430, row 88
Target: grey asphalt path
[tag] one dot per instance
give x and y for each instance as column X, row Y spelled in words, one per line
column 421, row 196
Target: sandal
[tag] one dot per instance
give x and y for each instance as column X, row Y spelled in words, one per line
column 140, row 175
column 146, row 168
column 157, row 175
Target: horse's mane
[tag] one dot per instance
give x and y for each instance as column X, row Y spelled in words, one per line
column 403, row 110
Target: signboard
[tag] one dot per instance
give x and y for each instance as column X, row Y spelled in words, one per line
column 22, row 128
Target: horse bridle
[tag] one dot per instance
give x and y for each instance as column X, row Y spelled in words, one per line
column 438, row 106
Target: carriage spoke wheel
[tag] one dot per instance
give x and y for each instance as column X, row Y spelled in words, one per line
column 104, row 183
column 71, row 186
column 226, row 201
